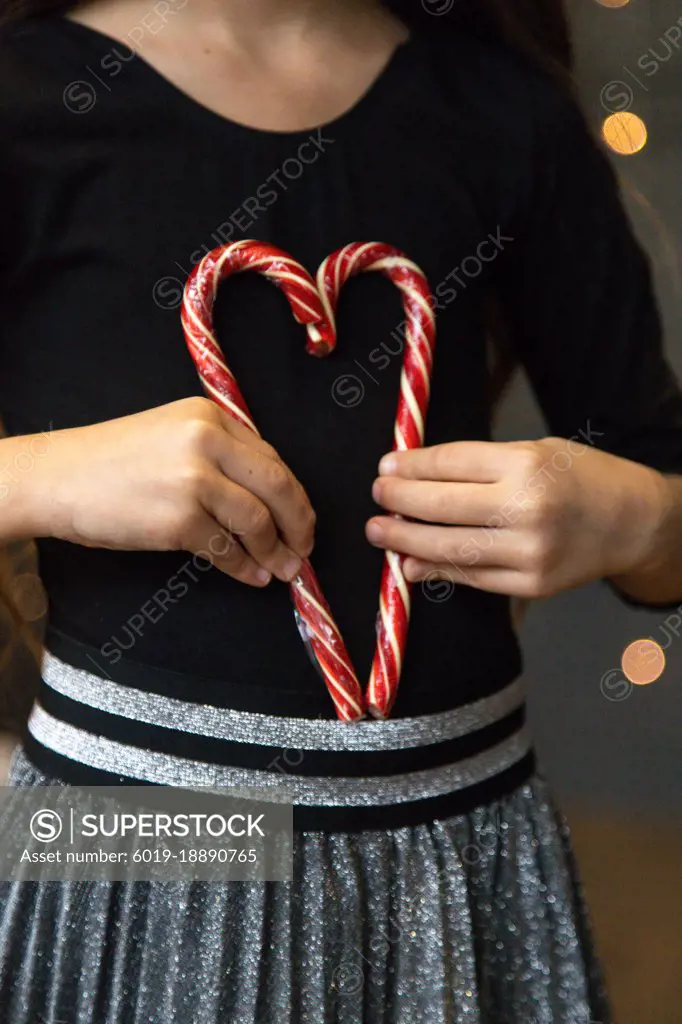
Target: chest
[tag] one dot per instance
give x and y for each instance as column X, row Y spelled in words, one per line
column 118, row 223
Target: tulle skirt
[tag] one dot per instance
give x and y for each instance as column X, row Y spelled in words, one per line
column 473, row 919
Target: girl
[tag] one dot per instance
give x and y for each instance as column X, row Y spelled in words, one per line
column 433, row 880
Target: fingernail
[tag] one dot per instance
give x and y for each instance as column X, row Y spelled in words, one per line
column 374, row 532
column 292, row 567
column 263, row 576
column 388, row 465
column 376, row 490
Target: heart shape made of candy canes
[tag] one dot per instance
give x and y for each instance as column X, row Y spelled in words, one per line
column 313, row 303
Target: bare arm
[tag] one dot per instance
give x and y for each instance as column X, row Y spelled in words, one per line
column 19, row 459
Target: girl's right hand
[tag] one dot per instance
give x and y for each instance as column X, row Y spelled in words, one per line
column 183, row 476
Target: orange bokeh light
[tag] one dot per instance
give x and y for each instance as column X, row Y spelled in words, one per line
column 643, row 662
column 625, row 133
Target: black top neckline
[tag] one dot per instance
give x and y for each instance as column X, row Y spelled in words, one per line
column 363, row 107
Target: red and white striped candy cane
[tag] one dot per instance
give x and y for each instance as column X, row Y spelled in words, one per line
column 413, row 401
column 314, row 307
column 197, row 320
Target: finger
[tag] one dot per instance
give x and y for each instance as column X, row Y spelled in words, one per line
column 264, row 474
column 495, row 580
column 435, row 502
column 245, row 516
column 211, row 541
column 483, row 462
column 444, row 544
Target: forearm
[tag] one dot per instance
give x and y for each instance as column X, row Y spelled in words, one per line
column 21, row 458
column 657, row 576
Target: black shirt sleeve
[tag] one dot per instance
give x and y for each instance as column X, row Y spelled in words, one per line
column 577, row 293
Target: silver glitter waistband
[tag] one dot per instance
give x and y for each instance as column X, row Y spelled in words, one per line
column 340, row 791
column 273, row 730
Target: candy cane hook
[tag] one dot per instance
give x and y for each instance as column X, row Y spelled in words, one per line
column 219, row 382
column 413, row 401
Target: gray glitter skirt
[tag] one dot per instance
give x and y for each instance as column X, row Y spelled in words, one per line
column 472, row 919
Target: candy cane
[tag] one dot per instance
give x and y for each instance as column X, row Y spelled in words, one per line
column 315, row 307
column 197, row 320
column 413, row 401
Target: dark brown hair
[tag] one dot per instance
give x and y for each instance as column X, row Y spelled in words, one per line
column 539, row 28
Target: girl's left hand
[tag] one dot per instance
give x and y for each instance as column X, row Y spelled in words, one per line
column 523, row 518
